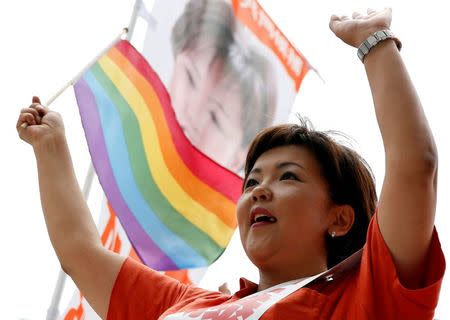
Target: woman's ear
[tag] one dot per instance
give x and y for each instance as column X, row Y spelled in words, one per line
column 342, row 219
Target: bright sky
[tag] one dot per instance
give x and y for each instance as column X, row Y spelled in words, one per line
column 45, row 43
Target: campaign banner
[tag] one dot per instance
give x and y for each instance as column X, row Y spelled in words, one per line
column 229, row 70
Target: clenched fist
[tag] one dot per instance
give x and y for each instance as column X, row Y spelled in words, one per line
column 37, row 124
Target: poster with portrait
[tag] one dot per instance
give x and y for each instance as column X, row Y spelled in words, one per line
column 229, row 70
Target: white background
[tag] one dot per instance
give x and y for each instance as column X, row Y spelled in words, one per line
column 45, row 43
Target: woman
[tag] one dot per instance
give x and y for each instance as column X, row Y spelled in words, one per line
column 305, row 206
column 223, row 92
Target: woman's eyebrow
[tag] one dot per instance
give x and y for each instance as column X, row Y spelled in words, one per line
column 255, row 170
column 279, row 166
column 289, row 163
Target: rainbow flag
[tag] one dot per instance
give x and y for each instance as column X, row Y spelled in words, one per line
column 176, row 204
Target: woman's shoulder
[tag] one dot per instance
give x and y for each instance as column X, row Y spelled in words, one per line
column 148, row 291
column 372, row 287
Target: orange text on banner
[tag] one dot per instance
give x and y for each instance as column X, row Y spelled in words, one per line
column 110, row 236
column 76, row 314
column 252, row 15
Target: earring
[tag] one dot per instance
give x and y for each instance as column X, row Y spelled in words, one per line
column 333, row 234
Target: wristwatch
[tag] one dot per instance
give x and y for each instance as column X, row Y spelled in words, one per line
column 374, row 39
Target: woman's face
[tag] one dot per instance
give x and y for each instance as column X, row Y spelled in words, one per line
column 283, row 211
column 208, row 111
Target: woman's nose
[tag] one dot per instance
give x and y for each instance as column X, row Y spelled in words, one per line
column 192, row 120
column 261, row 193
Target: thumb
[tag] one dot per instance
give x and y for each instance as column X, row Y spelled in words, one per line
column 36, row 100
column 333, row 20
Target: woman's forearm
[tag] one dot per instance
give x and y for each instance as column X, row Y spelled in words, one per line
column 69, row 222
column 407, row 138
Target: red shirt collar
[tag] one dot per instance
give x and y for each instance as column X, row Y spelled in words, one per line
column 247, row 287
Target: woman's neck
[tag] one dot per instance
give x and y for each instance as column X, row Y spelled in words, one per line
column 269, row 278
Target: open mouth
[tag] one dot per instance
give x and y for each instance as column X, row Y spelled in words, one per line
column 261, row 216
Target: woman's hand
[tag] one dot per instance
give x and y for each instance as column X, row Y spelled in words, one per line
column 37, row 124
column 353, row 31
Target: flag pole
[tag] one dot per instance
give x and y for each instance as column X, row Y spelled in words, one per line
column 53, row 310
column 87, row 67
column 134, row 16
column 80, row 74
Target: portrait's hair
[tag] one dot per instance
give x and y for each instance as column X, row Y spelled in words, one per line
column 349, row 178
column 204, row 24
column 211, row 25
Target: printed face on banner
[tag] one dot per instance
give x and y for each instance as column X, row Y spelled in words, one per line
column 208, row 109
column 229, row 71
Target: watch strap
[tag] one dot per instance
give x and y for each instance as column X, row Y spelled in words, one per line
column 374, row 39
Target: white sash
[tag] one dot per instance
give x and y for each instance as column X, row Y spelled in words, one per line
column 255, row 305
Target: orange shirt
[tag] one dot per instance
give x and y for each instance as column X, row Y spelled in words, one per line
column 372, row 290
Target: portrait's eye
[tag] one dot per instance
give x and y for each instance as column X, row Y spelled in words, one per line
column 288, row 175
column 214, row 119
column 190, row 78
column 250, row 183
